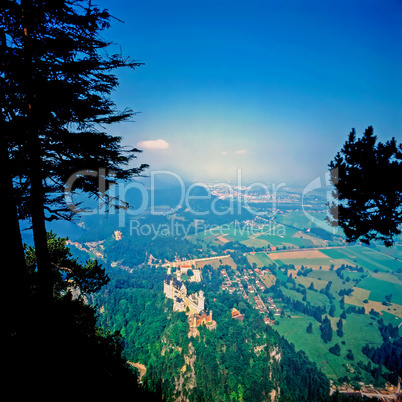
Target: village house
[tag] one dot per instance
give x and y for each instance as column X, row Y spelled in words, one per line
column 237, row 315
column 268, row 321
column 271, row 303
column 251, row 288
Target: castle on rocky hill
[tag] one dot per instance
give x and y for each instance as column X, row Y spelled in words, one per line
column 176, row 290
column 193, row 304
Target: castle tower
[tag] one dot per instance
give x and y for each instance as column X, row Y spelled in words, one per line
column 168, row 288
column 201, row 300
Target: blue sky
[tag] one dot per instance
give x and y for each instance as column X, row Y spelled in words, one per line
column 271, row 87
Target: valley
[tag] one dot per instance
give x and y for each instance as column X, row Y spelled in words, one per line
column 291, row 274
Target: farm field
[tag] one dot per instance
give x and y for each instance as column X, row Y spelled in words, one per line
column 306, row 257
column 313, row 297
column 372, row 260
column 288, row 241
column 368, row 286
column 268, row 280
column 298, row 219
column 216, row 262
column 287, row 231
column 368, row 258
column 256, row 242
column 392, row 319
column 324, row 275
column 369, row 274
column 379, row 289
column 260, row 259
column 306, row 281
column 294, row 329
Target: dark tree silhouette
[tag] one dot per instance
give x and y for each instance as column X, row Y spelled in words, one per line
column 54, row 117
column 326, row 330
column 336, row 349
column 56, row 78
column 368, row 197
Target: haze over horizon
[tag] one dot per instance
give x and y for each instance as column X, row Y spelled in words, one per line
column 272, row 88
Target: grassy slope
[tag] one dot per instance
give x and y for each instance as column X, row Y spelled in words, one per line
column 357, row 332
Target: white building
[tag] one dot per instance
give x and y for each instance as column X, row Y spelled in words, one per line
column 176, row 290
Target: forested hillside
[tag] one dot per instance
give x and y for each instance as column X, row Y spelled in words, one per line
column 238, row 361
column 63, row 342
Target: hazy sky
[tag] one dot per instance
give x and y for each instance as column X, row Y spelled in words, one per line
column 269, row 86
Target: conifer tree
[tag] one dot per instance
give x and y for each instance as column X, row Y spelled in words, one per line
column 332, row 310
column 368, row 195
column 339, row 325
column 336, row 349
column 55, row 118
column 326, row 330
column 350, row 355
column 56, row 78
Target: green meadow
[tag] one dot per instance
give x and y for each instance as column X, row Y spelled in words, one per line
column 382, row 276
column 379, row 289
column 358, row 330
column 260, row 259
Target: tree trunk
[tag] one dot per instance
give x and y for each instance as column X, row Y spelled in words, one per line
column 39, row 221
column 12, row 250
column 15, row 273
column 32, row 132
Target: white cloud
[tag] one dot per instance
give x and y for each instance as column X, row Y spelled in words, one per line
column 224, row 153
column 241, row 151
column 153, row 144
